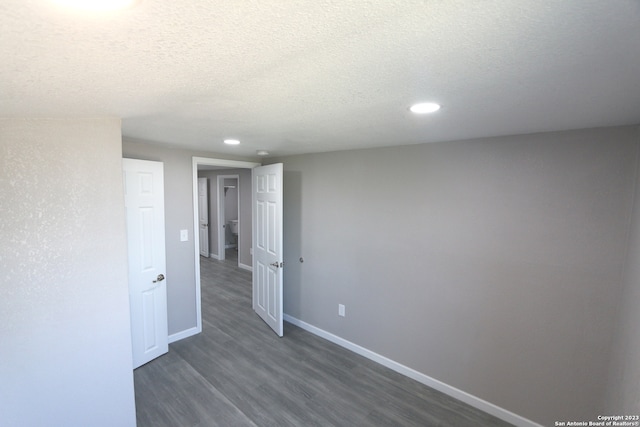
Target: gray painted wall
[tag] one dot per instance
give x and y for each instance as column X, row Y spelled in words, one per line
column 178, row 179
column 492, row 265
column 623, row 394
column 244, row 254
column 65, row 352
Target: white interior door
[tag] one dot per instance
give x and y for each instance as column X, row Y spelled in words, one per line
column 267, row 244
column 203, row 216
column 144, row 202
column 222, row 235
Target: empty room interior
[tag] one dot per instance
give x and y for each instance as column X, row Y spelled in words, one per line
column 459, row 202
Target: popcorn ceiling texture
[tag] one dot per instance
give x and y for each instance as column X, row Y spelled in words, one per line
column 320, row 75
column 63, row 277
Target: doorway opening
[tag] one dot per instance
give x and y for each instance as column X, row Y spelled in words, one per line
column 222, row 166
column 232, row 217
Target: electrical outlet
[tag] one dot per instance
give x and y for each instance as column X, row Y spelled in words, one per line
column 341, row 310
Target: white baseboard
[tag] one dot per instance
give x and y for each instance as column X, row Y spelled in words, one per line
column 463, row 396
column 184, row 334
column 245, row 266
column 214, row 256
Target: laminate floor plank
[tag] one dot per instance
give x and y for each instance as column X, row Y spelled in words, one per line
column 237, row 372
column 182, row 398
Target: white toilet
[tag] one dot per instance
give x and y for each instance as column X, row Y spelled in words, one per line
column 233, row 226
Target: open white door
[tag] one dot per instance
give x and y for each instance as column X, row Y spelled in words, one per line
column 222, row 225
column 144, row 203
column 203, row 216
column 267, row 244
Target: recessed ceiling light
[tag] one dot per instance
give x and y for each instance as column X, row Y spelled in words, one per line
column 425, row 107
column 262, row 153
column 96, row 5
column 231, row 141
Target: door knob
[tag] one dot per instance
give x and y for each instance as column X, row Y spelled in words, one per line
column 160, row 278
column 277, row 264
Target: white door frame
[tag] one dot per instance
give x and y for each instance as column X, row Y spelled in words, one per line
column 205, row 161
column 222, row 223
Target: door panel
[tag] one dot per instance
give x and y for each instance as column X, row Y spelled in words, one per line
column 148, row 310
column 144, row 204
column 273, row 296
column 267, row 245
column 203, row 216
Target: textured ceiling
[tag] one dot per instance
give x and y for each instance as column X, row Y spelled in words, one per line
column 318, row 75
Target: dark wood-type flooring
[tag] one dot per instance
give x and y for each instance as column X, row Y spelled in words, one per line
column 237, row 372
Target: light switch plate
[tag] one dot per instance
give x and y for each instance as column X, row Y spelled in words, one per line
column 184, row 235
